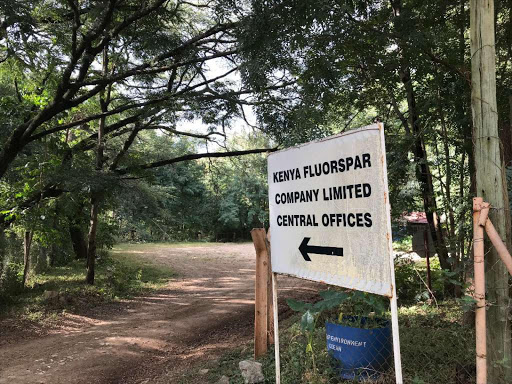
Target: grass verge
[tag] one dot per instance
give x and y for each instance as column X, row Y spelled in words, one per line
column 120, row 274
column 435, row 348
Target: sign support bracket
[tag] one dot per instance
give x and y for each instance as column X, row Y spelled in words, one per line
column 396, row 339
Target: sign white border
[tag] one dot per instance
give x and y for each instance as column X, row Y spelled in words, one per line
column 393, row 301
column 364, row 245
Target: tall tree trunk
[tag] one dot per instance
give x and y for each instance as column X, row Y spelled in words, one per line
column 449, row 209
column 97, row 195
column 2, row 252
column 27, row 242
column 91, row 247
column 510, row 120
column 462, row 103
column 423, row 174
column 506, row 138
column 490, row 184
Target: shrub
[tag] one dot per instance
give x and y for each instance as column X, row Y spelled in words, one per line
column 11, row 281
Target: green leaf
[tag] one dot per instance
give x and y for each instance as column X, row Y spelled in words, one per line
column 331, row 299
column 298, row 306
column 307, row 322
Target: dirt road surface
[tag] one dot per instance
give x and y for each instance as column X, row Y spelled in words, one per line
column 205, row 311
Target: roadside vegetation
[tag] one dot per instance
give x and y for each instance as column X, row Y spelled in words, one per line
column 149, row 121
column 121, row 274
column 437, row 341
column 436, row 348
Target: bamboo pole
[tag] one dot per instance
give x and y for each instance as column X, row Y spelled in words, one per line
column 499, row 245
column 501, row 248
column 480, row 321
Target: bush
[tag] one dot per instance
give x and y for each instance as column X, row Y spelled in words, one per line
column 411, row 277
column 11, row 266
column 408, row 284
column 11, row 282
column 121, row 278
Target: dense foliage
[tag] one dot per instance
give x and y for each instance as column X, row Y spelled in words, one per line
column 97, row 99
column 92, row 95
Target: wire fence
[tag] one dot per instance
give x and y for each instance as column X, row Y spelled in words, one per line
column 467, row 339
column 440, row 322
column 437, row 346
column 353, row 341
column 498, row 315
column 437, row 331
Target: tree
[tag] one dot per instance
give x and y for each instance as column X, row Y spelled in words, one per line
column 384, row 57
column 54, row 86
column 491, row 184
column 154, row 58
column 239, row 190
column 170, row 203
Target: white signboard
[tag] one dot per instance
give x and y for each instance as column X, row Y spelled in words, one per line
column 329, row 211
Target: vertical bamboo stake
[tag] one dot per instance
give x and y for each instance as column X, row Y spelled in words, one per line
column 480, row 326
column 261, row 286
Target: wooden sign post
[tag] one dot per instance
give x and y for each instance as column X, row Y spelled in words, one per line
column 263, row 310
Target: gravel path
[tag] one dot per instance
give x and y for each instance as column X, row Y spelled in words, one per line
column 198, row 316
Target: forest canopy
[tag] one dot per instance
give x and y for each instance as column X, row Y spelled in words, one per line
column 150, row 120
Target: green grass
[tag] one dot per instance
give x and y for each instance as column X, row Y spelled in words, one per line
column 435, row 348
column 403, row 245
column 183, row 244
column 121, row 274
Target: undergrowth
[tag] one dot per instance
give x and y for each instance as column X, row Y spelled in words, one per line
column 435, row 348
column 119, row 274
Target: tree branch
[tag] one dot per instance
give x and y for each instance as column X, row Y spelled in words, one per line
column 193, row 156
column 147, row 70
column 72, row 124
column 182, row 133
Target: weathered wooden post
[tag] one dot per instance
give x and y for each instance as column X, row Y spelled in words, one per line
column 490, row 182
column 262, row 285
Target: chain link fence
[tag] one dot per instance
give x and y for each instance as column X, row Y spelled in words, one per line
column 437, row 342
column 498, row 309
column 437, row 332
column 438, row 323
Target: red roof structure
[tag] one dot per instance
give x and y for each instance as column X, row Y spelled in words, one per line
column 415, row 217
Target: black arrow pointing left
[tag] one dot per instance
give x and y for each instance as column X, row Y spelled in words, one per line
column 305, row 249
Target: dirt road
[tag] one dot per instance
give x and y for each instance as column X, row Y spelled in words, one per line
column 205, row 311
